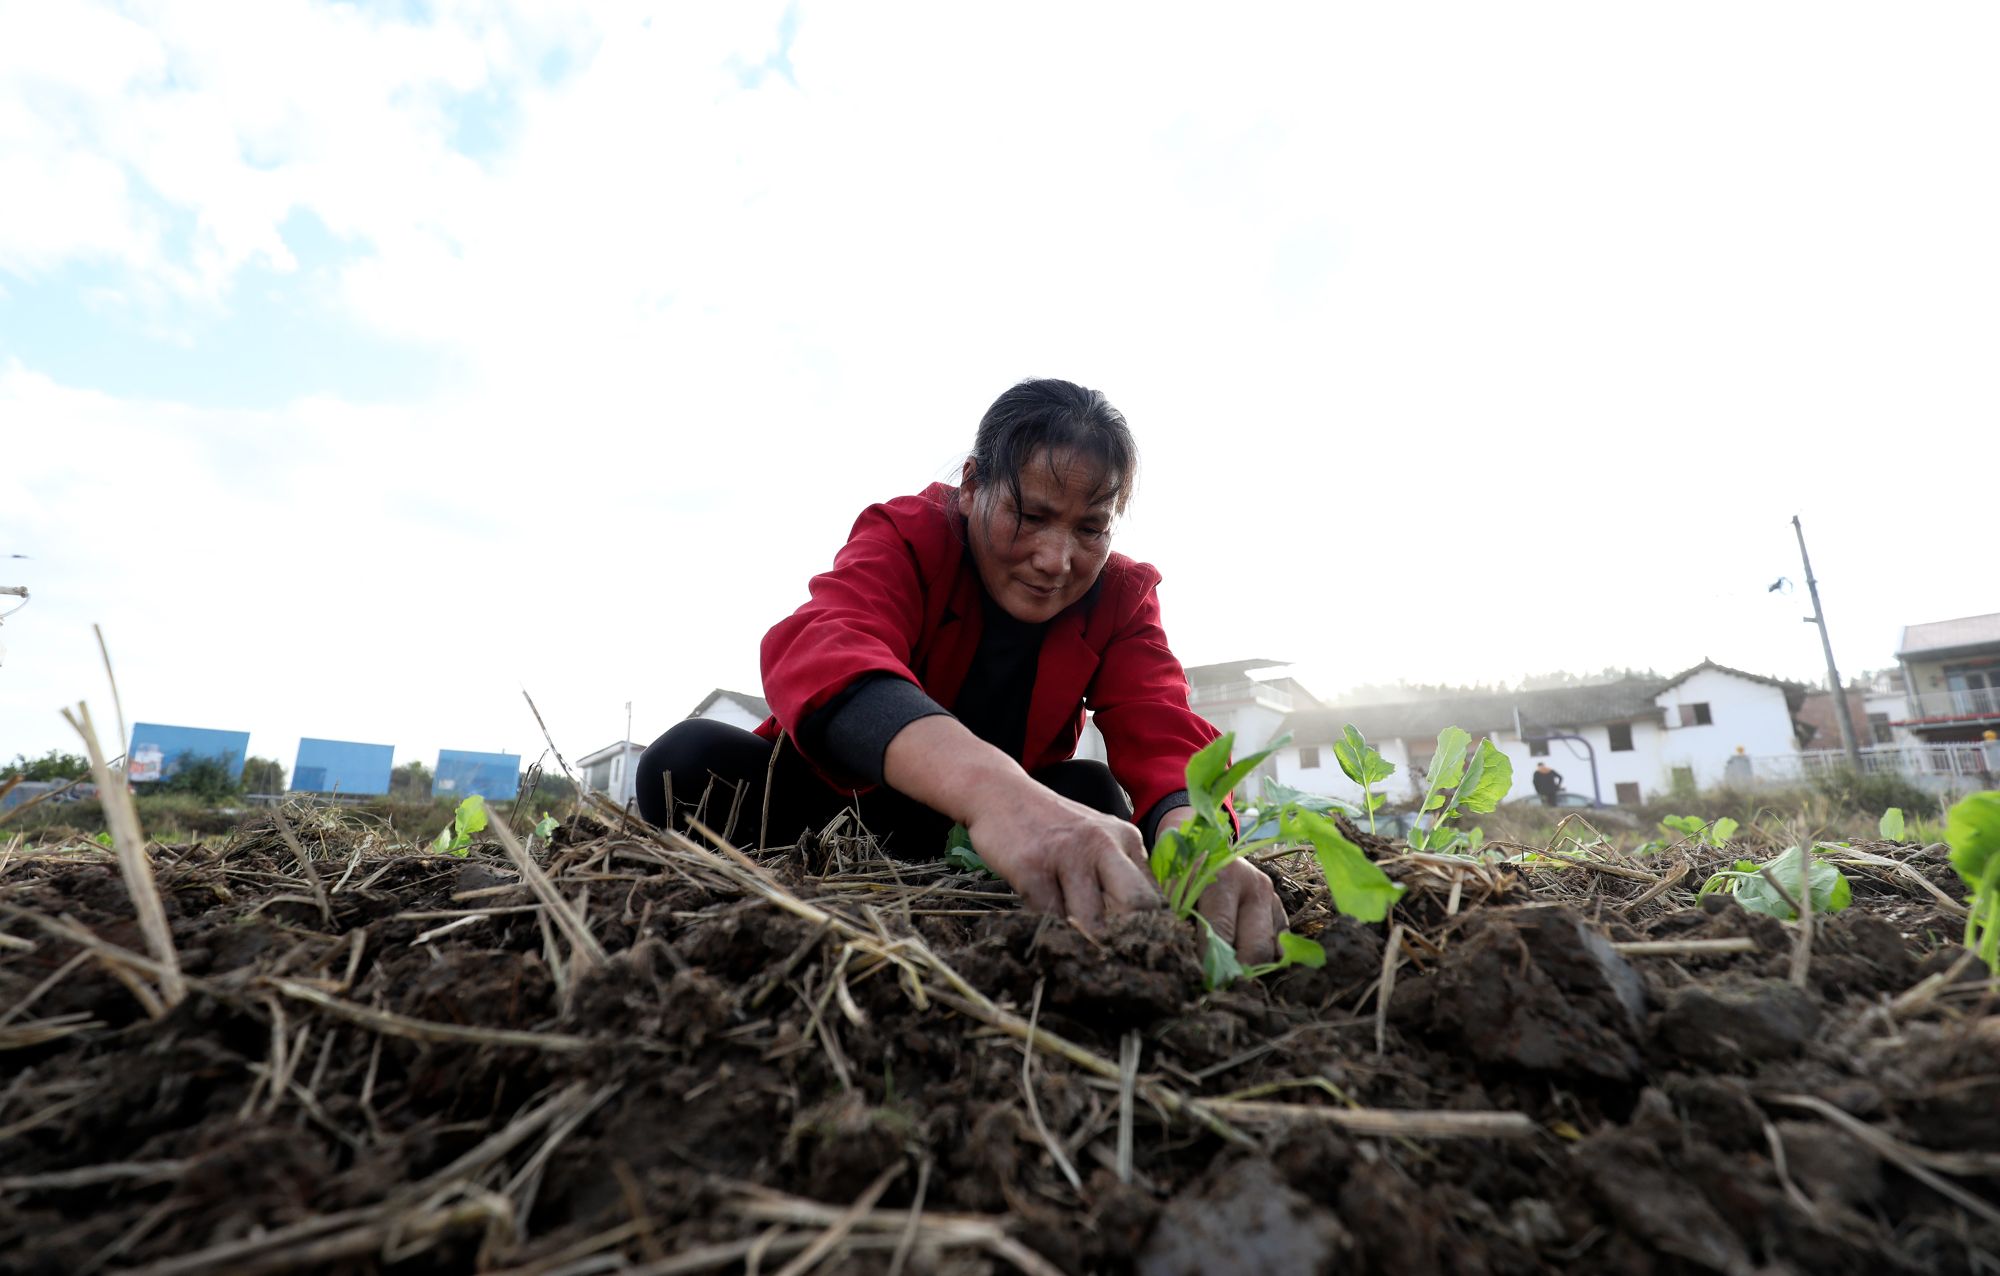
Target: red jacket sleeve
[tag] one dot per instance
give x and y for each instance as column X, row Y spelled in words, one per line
column 864, row 615
column 1139, row 699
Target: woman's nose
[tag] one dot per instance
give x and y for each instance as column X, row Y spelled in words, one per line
column 1051, row 555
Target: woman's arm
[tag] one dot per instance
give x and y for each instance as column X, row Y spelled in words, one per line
column 1061, row 856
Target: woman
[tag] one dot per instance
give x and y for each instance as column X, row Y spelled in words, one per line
column 940, row 673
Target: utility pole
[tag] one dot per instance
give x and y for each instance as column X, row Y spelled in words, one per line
column 628, row 717
column 1848, row 740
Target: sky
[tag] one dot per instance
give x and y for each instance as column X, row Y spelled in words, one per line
column 363, row 365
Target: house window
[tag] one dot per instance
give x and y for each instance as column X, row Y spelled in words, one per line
column 1878, row 728
column 1621, row 737
column 1538, row 748
column 1696, row 715
column 1628, row 791
column 1309, row 757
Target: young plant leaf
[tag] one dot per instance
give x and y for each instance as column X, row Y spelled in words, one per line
column 1721, row 831
column 1447, row 767
column 1487, row 779
column 1293, row 950
column 1359, row 888
column 1687, row 825
column 1892, row 824
column 545, row 828
column 1358, row 762
column 1203, row 770
column 959, row 854
column 1972, row 830
column 1219, row 966
column 1830, row 889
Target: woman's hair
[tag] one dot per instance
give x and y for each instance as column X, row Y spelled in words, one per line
column 1060, row 417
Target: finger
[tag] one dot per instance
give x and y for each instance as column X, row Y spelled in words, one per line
column 1082, row 900
column 1039, row 892
column 1219, row 904
column 1256, row 939
column 1279, row 921
column 1127, row 887
column 1134, row 847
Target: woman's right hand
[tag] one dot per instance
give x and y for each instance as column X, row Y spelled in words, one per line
column 1060, row 856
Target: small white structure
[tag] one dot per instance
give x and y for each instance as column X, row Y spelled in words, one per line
column 1622, row 742
column 737, row 708
column 612, row 770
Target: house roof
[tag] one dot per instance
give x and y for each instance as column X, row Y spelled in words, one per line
column 754, row 704
column 1942, row 637
column 1626, row 700
column 1228, row 671
column 1795, row 692
column 609, row 750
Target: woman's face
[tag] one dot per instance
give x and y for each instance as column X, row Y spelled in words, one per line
column 1050, row 557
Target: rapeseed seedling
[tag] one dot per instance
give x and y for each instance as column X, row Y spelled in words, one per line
column 1972, row 830
column 470, row 818
column 1455, row 784
column 1830, row 889
column 1716, row 834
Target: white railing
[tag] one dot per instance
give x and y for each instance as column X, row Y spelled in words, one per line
column 1884, row 759
column 1227, row 692
column 1982, row 703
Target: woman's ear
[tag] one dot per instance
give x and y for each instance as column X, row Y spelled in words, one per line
column 967, row 488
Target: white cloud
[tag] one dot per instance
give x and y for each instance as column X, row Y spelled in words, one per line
column 1461, row 343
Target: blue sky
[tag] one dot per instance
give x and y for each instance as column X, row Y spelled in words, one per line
column 362, row 365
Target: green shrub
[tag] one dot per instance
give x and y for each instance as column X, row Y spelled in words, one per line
column 1851, row 794
column 53, row 765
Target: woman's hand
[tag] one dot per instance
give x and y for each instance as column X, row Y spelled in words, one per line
column 1061, row 857
column 1241, row 905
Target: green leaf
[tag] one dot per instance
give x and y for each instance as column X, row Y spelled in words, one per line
column 1487, row 779
column 1724, row 829
column 1293, row 950
column 102, row 839
column 1219, row 966
column 441, row 845
column 1830, row 889
column 1972, row 830
column 959, row 854
column 1892, row 824
column 1284, row 795
column 1203, row 770
column 1358, row 762
column 545, row 828
column 1688, row 825
column 470, row 817
column 1359, row 888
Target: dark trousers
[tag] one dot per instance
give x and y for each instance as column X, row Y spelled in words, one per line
column 719, row 761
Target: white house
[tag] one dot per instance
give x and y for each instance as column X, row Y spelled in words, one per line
column 611, row 770
column 1620, row 742
column 737, row 708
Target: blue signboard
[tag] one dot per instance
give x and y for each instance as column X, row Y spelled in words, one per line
column 157, row 751
column 493, row 776
column 339, row 766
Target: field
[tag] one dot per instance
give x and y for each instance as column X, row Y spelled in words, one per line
column 617, row 1052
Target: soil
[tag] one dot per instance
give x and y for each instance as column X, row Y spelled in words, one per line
column 732, row 1075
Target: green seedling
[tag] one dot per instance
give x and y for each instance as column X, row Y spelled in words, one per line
column 1830, row 889
column 1891, row 826
column 1972, row 830
column 959, row 854
column 455, row 837
column 1456, row 784
column 545, row 828
column 1186, row 861
column 1365, row 767
column 1716, row 834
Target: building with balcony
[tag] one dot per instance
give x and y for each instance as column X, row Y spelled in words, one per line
column 1951, row 676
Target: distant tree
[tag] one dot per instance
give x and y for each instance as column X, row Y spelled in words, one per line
column 207, row 778
column 411, row 782
column 53, row 765
column 263, row 775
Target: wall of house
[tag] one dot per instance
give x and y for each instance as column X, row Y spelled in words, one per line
column 726, row 710
column 1745, row 714
column 1638, row 765
column 1327, row 779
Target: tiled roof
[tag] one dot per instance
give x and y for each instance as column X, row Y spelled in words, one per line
column 755, row 704
column 1626, row 700
column 1946, row 635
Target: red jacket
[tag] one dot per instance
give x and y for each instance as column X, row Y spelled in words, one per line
column 904, row 598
